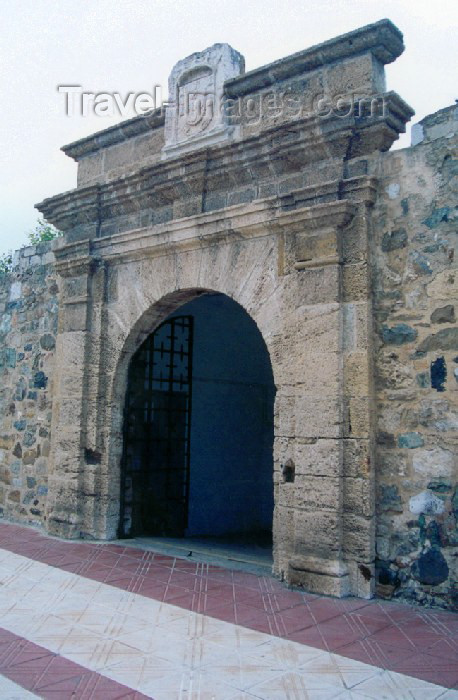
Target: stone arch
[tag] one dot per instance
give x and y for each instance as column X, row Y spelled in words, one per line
column 145, row 324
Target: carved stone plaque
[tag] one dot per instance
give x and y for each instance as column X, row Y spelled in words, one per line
column 195, row 114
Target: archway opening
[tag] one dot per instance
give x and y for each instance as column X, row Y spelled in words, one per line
column 198, row 429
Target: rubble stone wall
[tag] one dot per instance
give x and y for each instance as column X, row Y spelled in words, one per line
column 415, row 225
column 28, row 329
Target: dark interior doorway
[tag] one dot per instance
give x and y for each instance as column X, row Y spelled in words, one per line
column 198, row 428
column 157, row 432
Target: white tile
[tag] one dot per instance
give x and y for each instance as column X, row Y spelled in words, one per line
column 12, row 691
column 163, row 614
column 237, row 638
column 186, row 685
column 294, row 686
column 49, row 624
column 189, row 624
column 333, row 669
column 5, row 555
column 53, row 578
column 239, row 671
column 110, row 596
column 202, row 653
column 109, row 623
column 83, row 586
column 19, row 587
column 78, row 640
column 18, row 620
column 139, row 667
column 388, row 685
column 98, row 654
column 139, row 607
column 284, row 655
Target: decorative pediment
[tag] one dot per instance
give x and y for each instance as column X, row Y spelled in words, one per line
column 195, row 114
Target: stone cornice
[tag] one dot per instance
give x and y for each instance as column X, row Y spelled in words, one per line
column 77, row 259
column 115, row 134
column 276, row 152
column 382, row 39
column 360, row 189
column 243, row 221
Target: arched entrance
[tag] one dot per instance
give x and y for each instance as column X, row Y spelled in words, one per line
column 198, row 427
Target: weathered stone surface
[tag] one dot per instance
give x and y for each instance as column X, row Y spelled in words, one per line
column 195, row 115
column 410, row 440
column 437, row 461
column 431, row 568
column 399, row 334
column 17, row 451
column 40, row 380
column 445, row 339
column 437, row 216
column 389, row 498
column 313, row 575
column 318, row 458
column 423, row 380
column 427, row 503
column 47, row 342
column 24, row 383
column 444, row 314
column 393, row 374
column 394, row 240
column 440, row 486
column 438, row 374
column 444, row 285
column 417, row 286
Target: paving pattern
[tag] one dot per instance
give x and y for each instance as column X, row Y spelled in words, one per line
column 85, row 621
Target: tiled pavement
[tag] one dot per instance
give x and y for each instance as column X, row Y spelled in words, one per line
column 82, row 621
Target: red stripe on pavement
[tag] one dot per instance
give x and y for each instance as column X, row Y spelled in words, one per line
column 53, row 677
column 393, row 636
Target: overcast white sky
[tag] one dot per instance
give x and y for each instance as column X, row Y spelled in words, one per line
column 131, row 45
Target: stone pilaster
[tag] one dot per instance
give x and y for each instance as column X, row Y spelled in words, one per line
column 67, row 489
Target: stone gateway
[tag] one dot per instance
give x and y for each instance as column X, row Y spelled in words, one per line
column 249, row 326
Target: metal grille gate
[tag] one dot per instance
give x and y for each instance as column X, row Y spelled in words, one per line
column 157, row 422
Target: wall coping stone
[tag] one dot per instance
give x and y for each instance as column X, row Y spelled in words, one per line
column 382, row 39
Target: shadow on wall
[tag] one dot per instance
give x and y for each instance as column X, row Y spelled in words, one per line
column 231, row 463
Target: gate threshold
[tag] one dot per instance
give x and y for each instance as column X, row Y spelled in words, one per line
column 229, row 555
